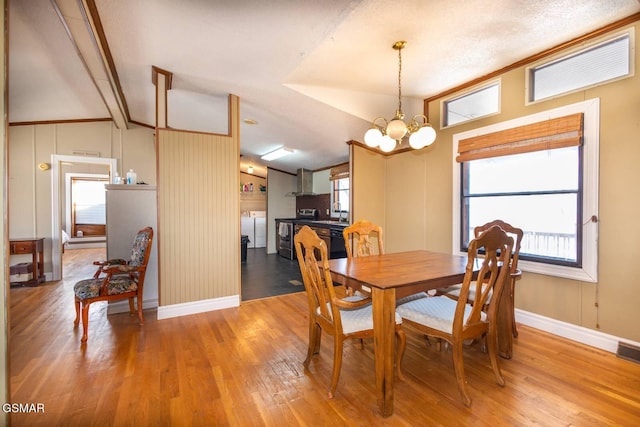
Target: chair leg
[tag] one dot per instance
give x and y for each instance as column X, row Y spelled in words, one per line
column 314, row 342
column 513, row 314
column 458, row 367
column 337, row 365
column 140, row 316
column 85, row 322
column 77, row 319
column 401, row 344
column 132, row 309
column 492, row 343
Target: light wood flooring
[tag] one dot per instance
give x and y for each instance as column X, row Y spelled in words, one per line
column 243, row 367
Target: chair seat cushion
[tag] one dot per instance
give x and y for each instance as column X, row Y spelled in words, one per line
column 90, row 288
column 411, row 297
column 436, row 313
column 358, row 319
column 454, row 291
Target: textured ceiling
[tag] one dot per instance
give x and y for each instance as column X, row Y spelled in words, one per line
column 312, row 73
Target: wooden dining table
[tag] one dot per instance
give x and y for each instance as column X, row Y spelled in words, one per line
column 391, row 276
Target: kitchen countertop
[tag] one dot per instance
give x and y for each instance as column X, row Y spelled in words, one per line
column 317, row 223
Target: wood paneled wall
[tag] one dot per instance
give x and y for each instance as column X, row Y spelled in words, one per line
column 198, row 211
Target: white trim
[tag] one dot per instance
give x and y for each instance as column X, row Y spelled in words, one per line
column 184, row 309
column 572, row 332
column 591, row 110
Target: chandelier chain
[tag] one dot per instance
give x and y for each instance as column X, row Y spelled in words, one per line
column 400, row 81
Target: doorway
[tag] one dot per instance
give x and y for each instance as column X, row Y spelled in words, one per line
column 58, row 163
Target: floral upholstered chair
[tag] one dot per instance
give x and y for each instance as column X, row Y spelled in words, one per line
column 115, row 280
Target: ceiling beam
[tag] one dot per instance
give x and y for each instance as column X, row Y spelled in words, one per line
column 82, row 23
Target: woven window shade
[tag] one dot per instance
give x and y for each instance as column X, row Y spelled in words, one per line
column 339, row 172
column 561, row 132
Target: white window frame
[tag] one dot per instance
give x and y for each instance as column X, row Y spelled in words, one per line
column 591, row 110
column 335, row 212
column 610, row 37
column 468, row 92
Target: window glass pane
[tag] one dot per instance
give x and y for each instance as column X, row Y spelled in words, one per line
column 89, row 201
column 476, row 104
column 340, row 195
column 549, row 221
column 596, row 65
column 549, row 170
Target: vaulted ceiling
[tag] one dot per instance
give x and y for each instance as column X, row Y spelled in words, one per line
column 311, row 73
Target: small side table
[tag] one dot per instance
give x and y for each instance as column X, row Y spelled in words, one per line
column 35, row 247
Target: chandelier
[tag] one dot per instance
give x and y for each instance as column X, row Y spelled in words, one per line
column 420, row 132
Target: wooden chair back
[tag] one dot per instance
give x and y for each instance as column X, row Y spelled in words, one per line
column 491, row 279
column 517, row 233
column 311, row 252
column 360, row 233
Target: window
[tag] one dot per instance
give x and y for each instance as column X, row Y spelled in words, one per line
column 550, row 191
column 478, row 103
column 548, row 203
column 598, row 64
column 340, row 198
column 88, row 207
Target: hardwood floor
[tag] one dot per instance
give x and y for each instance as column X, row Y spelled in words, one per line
column 243, row 367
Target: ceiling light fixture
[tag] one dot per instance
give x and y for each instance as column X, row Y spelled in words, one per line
column 276, row 154
column 386, row 137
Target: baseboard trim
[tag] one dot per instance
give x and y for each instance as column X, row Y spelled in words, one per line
column 184, row 309
column 572, row 332
column 123, row 306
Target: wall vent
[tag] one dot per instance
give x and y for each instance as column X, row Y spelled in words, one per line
column 628, row 351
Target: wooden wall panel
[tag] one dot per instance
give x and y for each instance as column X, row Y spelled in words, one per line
column 198, row 211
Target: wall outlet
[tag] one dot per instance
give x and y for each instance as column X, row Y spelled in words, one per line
column 328, row 212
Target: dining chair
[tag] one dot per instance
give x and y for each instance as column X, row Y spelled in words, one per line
column 361, row 233
column 367, row 240
column 456, row 321
column 343, row 318
column 517, row 233
column 115, row 279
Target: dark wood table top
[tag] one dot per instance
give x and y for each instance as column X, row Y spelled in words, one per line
column 402, row 270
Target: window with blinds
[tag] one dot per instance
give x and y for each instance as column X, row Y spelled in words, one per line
column 604, row 62
column 535, row 176
column 480, row 102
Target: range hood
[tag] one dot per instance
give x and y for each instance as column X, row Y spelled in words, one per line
column 305, row 183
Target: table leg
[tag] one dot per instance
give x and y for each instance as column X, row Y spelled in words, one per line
column 505, row 323
column 384, row 308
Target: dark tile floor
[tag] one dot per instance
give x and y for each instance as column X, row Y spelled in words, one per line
column 264, row 275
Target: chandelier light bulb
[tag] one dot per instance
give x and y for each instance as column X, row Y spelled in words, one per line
column 397, row 129
column 417, row 141
column 429, row 134
column 373, row 137
column 387, row 144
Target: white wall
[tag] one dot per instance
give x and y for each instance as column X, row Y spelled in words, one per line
column 29, row 188
column 279, row 204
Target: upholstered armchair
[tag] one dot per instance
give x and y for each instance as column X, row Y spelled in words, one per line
column 115, row 280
